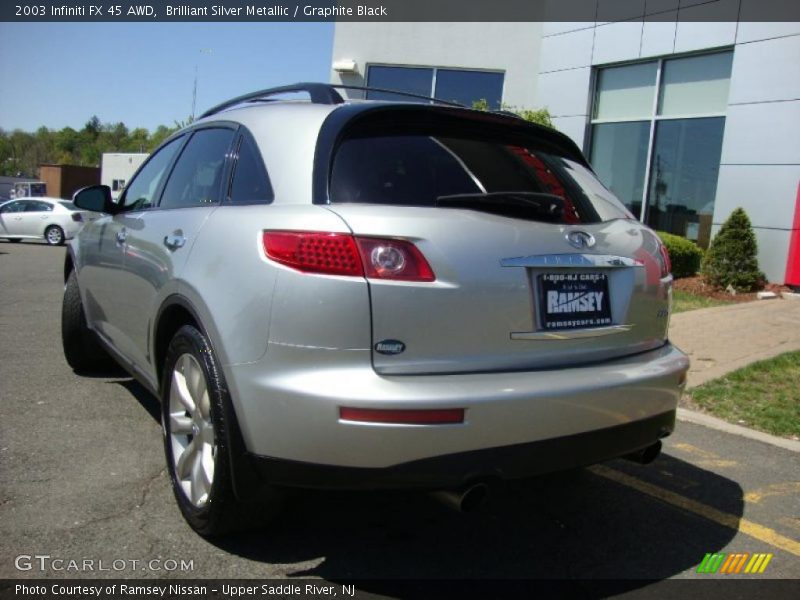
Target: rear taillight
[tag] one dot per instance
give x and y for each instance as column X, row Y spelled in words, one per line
column 393, row 259
column 314, row 252
column 77, row 217
column 666, row 264
column 344, row 254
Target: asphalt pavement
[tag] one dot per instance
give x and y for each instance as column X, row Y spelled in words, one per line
column 82, row 478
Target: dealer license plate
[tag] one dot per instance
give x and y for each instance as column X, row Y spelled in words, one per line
column 574, row 300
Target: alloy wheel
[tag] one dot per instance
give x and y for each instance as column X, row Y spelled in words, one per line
column 191, row 430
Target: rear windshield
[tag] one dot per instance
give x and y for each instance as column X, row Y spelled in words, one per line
column 451, row 171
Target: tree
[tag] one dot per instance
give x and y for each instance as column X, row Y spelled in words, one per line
column 539, row 116
column 732, row 258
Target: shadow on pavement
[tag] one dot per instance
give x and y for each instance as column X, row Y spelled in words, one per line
column 576, row 525
column 573, row 525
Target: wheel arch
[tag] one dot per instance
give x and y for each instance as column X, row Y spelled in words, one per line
column 69, row 263
column 175, row 312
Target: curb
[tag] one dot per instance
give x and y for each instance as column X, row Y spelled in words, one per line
column 698, row 418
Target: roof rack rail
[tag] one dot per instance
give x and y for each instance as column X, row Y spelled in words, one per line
column 342, row 86
column 319, row 93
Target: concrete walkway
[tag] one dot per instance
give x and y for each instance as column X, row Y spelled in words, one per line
column 722, row 339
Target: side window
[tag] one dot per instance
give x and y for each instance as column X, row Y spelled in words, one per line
column 38, row 207
column 250, row 184
column 14, row 207
column 141, row 191
column 197, row 177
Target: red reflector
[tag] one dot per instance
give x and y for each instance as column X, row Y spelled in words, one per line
column 406, row 417
column 316, row 252
column 666, row 263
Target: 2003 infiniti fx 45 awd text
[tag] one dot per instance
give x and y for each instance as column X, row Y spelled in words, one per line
column 363, row 294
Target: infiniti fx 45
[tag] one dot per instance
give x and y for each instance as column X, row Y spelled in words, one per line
column 359, row 294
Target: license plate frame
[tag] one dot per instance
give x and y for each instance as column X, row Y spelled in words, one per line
column 571, row 301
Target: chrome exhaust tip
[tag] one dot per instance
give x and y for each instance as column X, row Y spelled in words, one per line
column 646, row 455
column 465, row 500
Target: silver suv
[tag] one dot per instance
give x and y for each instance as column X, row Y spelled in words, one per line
column 355, row 294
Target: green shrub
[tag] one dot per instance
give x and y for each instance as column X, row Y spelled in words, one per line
column 539, row 116
column 732, row 258
column 684, row 254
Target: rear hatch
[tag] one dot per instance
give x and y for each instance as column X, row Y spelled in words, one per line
column 536, row 264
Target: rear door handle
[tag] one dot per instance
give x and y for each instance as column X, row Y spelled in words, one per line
column 174, row 241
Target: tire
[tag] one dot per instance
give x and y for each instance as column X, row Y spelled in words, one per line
column 82, row 349
column 54, row 235
column 197, row 447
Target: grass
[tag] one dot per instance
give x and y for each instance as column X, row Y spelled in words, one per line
column 764, row 395
column 683, row 301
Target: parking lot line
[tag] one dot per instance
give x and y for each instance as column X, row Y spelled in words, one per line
column 759, row 532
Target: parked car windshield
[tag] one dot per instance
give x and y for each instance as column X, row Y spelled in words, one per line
column 430, row 170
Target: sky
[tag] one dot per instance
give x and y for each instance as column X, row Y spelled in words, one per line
column 61, row 74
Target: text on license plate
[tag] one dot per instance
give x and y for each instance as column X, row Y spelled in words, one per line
column 570, row 300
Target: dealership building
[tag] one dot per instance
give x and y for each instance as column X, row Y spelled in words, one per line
column 683, row 120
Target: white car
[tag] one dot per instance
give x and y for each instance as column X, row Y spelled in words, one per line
column 51, row 219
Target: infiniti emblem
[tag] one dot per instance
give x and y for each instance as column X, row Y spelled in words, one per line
column 580, row 239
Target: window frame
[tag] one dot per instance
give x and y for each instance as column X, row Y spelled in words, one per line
column 187, row 134
column 653, row 118
column 436, row 70
column 182, row 138
column 243, row 135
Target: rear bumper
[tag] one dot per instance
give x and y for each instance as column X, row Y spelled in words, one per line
column 456, row 470
column 287, row 406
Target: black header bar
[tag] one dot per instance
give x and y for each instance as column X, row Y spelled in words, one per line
column 589, row 11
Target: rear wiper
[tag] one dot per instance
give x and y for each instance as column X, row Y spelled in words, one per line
column 536, row 206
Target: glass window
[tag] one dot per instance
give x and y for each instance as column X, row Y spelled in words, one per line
column 626, row 92
column 683, row 153
column 196, row 179
column 14, row 207
column 467, row 87
column 695, row 85
column 38, row 207
column 140, row 193
column 481, row 170
column 683, row 176
column 619, row 157
column 250, row 182
column 117, row 185
column 403, row 79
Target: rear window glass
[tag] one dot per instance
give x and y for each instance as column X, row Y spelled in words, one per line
column 468, row 172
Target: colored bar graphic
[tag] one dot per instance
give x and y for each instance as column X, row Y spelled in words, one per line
column 734, row 563
column 711, row 563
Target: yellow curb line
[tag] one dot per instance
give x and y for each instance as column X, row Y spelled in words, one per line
column 759, row 532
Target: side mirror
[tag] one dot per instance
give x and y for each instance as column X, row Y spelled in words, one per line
column 96, row 198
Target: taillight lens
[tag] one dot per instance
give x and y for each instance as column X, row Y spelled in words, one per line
column 666, row 264
column 314, row 252
column 393, row 259
column 77, row 217
column 344, row 254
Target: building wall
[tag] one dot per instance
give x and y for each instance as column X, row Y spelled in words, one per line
column 553, row 64
column 119, row 166
column 509, row 47
column 64, row 180
column 760, row 164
